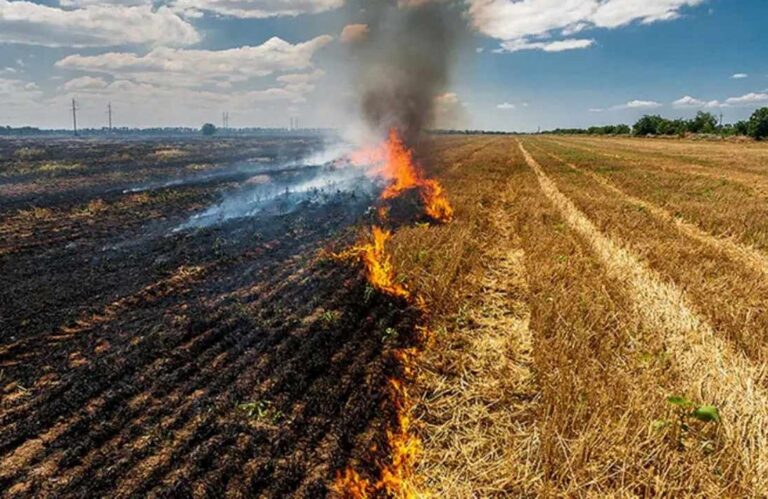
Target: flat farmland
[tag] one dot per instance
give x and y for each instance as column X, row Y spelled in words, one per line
column 175, row 320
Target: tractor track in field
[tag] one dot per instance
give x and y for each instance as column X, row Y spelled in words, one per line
column 749, row 180
column 746, row 255
column 711, row 367
column 480, row 433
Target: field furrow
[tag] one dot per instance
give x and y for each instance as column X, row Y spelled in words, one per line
column 712, row 370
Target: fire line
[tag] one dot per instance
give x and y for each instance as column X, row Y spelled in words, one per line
column 394, row 162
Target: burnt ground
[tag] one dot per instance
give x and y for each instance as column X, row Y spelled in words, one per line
column 136, row 359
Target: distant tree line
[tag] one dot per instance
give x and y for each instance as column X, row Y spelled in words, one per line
column 703, row 123
column 468, row 132
column 595, row 130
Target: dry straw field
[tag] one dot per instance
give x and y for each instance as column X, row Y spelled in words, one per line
column 600, row 328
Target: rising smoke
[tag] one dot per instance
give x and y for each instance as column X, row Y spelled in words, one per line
column 404, row 62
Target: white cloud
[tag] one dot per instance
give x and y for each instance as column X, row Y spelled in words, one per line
column 170, row 86
column 506, row 106
column 692, row 102
column 93, row 25
column 258, row 8
column 449, row 111
column 528, row 23
column 19, row 97
column 195, row 68
column 739, row 76
column 85, row 3
column 639, row 104
column 85, row 83
column 556, row 46
column 688, row 101
column 748, row 99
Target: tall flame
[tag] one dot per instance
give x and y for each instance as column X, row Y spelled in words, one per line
column 394, row 162
column 378, row 264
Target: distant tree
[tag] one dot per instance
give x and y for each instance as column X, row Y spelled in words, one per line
column 703, row 123
column 758, row 124
column 208, row 129
column 622, row 130
column 741, row 128
column 648, row 125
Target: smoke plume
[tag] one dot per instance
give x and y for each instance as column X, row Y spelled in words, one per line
column 404, row 63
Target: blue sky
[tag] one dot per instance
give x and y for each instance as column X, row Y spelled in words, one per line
column 523, row 64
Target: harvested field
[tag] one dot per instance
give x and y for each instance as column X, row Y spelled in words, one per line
column 160, row 336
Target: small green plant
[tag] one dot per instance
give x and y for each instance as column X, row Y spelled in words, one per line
column 390, row 334
column 368, row 293
column 689, row 416
column 330, row 317
column 705, row 413
column 261, row 410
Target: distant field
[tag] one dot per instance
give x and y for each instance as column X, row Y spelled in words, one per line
column 582, row 283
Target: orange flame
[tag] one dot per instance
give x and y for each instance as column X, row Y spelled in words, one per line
column 378, row 265
column 350, row 484
column 395, row 163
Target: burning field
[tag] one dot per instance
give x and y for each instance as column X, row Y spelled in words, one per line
column 207, row 321
column 482, row 316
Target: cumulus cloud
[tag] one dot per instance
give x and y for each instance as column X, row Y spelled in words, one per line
column 506, row 106
column 449, row 111
column 739, row 76
column 748, row 99
column 532, row 23
column 691, row 102
column 160, row 86
column 91, row 24
column 354, row 33
column 85, row 83
column 556, row 46
column 640, row 104
column 257, row 9
column 194, row 68
column 19, row 96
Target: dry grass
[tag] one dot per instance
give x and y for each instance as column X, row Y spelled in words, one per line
column 479, row 435
column 745, row 255
column 722, row 200
column 557, row 342
column 720, row 283
column 710, row 368
column 169, row 153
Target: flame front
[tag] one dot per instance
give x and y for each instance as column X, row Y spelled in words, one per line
column 378, row 264
column 394, row 162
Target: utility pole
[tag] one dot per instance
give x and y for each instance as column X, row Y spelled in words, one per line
column 109, row 113
column 225, row 120
column 74, row 116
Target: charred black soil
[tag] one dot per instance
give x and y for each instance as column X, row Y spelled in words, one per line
column 135, row 359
